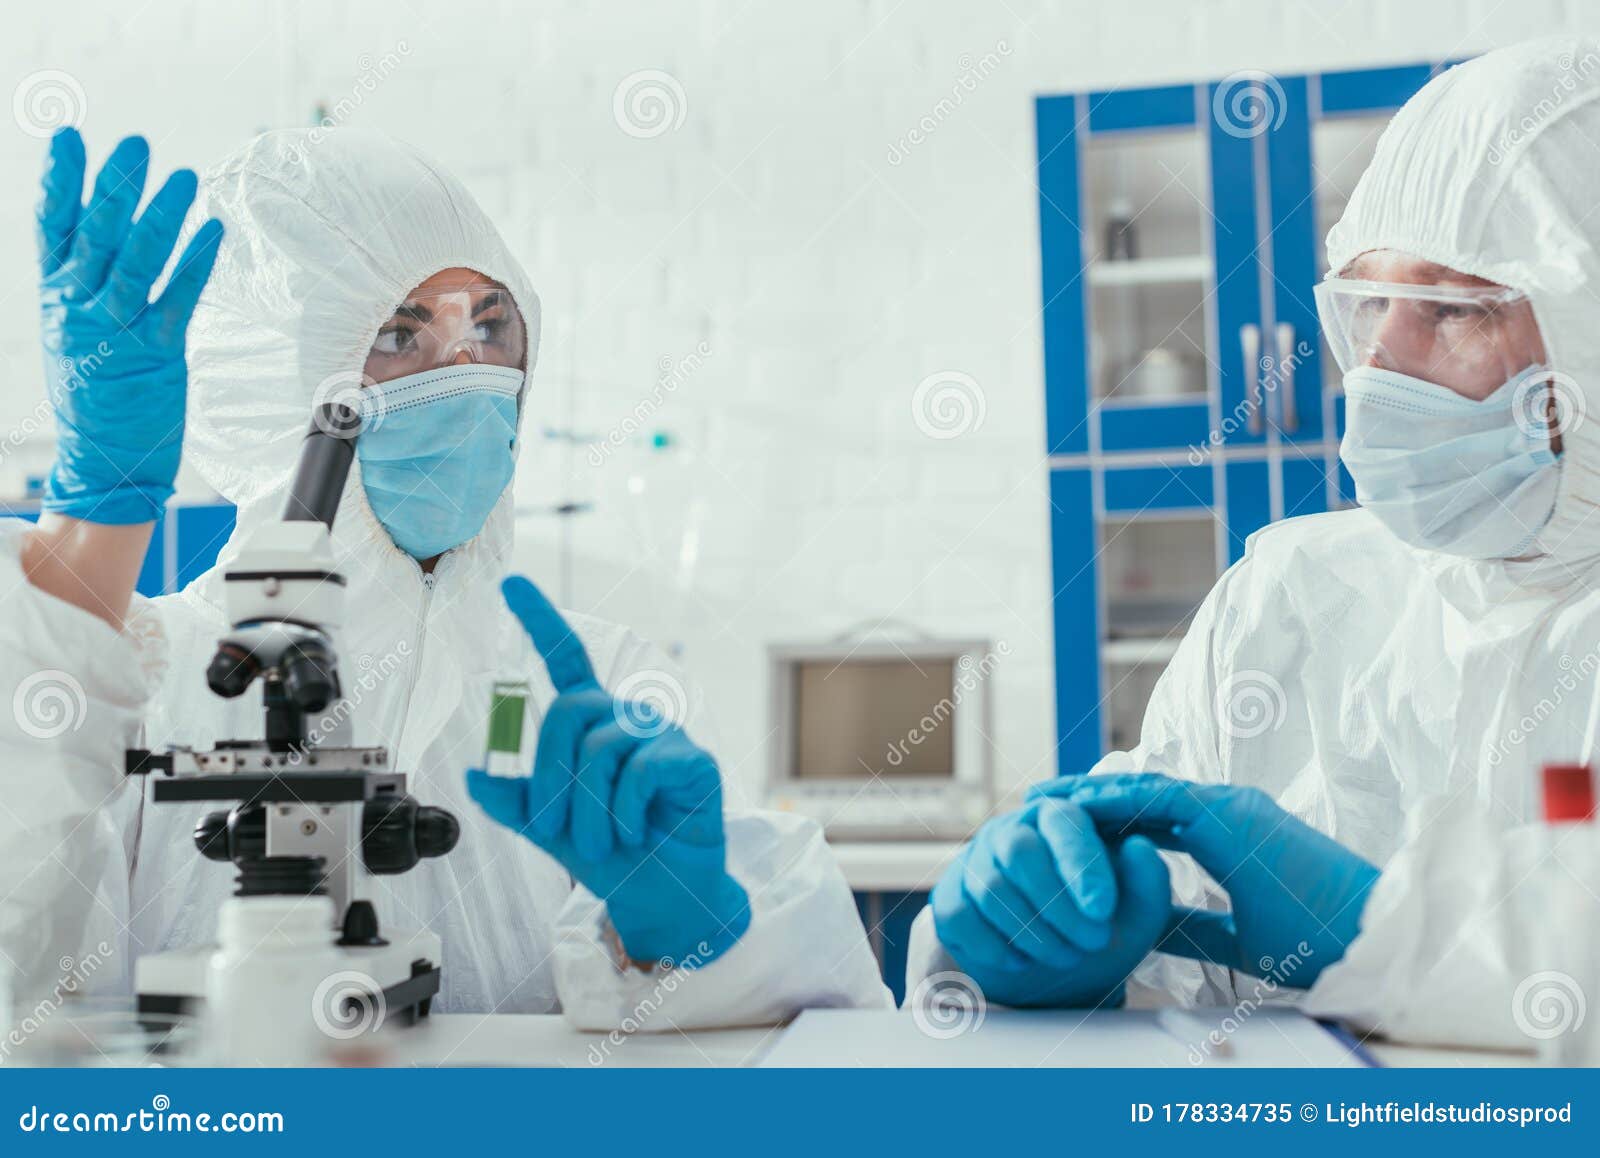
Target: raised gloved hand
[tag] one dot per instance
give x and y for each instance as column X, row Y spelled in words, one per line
column 114, row 359
column 1038, row 910
column 625, row 801
column 1297, row 894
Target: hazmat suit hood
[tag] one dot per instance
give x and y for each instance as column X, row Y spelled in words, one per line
column 1490, row 170
column 328, row 230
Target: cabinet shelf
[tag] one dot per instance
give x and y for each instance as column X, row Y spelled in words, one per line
column 1133, row 652
column 1150, row 270
column 1145, row 401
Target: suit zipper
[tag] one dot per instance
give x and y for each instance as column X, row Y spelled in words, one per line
column 416, row 663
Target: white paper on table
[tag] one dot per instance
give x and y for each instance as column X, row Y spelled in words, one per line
column 1277, row 1037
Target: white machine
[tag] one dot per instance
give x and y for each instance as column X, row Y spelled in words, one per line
column 882, row 739
column 307, row 813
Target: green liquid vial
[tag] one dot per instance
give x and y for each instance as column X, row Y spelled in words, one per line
column 508, row 717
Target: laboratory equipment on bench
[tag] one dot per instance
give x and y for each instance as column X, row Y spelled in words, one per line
column 306, row 814
column 882, row 738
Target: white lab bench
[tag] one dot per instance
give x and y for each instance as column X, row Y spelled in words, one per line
column 547, row 1040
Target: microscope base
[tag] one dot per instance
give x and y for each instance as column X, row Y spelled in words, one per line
column 405, row 971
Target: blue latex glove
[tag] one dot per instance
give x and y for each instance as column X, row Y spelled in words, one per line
column 627, row 803
column 114, row 359
column 1297, row 894
column 1038, row 910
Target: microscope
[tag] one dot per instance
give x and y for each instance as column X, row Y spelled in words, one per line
column 305, row 812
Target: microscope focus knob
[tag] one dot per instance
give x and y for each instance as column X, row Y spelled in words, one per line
column 211, row 836
column 397, row 833
column 229, row 834
column 437, row 831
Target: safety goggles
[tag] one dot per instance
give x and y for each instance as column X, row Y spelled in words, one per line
column 476, row 323
column 1469, row 338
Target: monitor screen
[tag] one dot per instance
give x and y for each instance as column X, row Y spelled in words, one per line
column 857, row 718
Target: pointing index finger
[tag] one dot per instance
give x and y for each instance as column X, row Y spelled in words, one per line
column 555, row 641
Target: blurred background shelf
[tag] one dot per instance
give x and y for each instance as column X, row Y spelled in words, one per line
column 1149, row 270
column 1132, row 652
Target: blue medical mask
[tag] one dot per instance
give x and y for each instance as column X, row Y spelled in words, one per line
column 1448, row 473
column 436, row 452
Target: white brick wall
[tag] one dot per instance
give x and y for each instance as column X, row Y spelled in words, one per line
column 825, row 280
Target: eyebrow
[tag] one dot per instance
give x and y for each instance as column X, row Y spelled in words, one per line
column 1441, row 274
column 1426, row 268
column 415, row 311
column 489, row 301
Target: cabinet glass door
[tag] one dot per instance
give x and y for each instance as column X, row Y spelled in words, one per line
column 1157, row 569
column 1148, row 266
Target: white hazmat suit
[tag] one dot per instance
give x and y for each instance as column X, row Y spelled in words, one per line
column 327, row 232
column 1401, row 700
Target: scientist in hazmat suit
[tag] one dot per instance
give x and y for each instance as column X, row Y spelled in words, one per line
column 347, row 267
column 1374, row 688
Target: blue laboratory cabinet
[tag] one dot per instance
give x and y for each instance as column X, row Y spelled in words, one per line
column 1188, row 401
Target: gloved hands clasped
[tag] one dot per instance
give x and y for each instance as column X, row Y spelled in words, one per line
column 628, row 804
column 114, row 359
column 1039, row 910
column 1296, row 893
